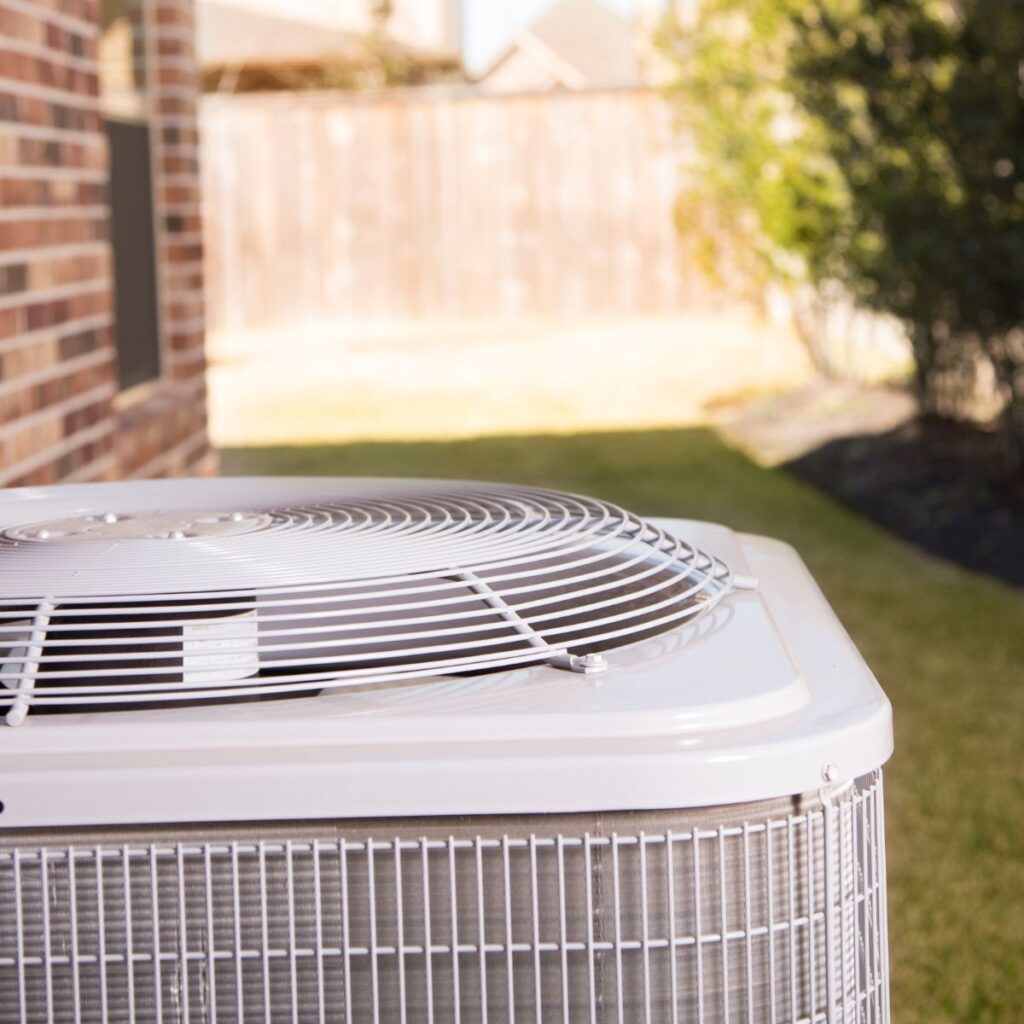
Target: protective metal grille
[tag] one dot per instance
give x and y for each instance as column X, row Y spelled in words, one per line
column 353, row 583
column 760, row 912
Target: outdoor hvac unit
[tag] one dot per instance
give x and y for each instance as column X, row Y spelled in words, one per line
column 382, row 751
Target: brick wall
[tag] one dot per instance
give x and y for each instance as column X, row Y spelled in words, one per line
column 166, row 435
column 61, row 417
column 56, row 341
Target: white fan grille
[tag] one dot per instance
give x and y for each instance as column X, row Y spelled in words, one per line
column 292, row 589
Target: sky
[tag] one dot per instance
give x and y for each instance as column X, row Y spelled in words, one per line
column 489, row 25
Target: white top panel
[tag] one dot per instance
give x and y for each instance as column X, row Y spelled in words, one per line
column 758, row 699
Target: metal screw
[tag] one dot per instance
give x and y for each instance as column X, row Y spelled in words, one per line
column 592, row 662
column 42, row 534
column 110, row 517
column 830, row 772
column 177, row 535
column 237, row 517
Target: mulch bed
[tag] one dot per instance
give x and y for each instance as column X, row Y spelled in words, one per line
column 946, row 487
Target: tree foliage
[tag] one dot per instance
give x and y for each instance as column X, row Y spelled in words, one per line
column 877, row 144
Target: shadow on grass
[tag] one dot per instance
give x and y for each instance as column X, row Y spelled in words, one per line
column 947, row 644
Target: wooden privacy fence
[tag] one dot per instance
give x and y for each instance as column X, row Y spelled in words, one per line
column 325, row 206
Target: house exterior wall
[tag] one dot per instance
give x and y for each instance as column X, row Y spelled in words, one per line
column 528, row 69
column 426, row 26
column 61, row 416
column 164, row 433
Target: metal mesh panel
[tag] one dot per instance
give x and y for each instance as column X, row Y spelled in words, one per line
column 760, row 912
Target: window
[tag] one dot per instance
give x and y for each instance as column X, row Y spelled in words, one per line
column 127, row 116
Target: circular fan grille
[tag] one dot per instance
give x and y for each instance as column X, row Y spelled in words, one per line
column 115, row 595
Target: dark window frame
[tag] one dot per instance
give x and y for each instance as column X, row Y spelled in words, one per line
column 134, row 244
column 130, row 124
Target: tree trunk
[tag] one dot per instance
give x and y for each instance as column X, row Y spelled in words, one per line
column 922, row 343
column 1012, row 419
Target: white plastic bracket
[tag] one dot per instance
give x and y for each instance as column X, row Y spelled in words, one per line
column 18, row 711
column 745, row 582
column 588, row 664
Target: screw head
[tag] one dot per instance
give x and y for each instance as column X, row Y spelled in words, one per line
column 237, row 517
column 43, row 534
column 110, row 517
column 830, row 772
column 177, row 535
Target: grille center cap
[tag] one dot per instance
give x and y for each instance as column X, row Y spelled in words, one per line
column 112, row 526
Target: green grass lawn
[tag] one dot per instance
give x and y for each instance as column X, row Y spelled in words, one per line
column 948, row 647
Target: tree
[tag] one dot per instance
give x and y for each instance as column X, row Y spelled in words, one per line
column 874, row 144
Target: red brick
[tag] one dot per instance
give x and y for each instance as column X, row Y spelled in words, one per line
column 164, row 433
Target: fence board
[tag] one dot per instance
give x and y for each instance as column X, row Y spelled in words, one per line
column 323, row 206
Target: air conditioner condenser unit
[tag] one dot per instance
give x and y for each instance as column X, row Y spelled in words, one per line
column 413, row 751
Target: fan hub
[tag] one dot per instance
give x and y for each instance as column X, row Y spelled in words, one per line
column 112, row 526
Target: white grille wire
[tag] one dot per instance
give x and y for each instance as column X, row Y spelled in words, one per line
column 339, row 591
column 761, row 913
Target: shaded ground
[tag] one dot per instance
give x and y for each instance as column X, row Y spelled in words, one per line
column 947, row 644
column 943, row 486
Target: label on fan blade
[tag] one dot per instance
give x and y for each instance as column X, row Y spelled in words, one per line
column 221, row 651
column 13, row 652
